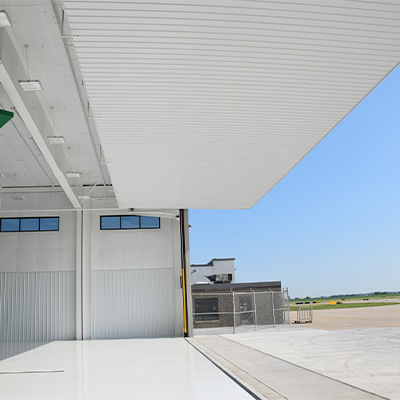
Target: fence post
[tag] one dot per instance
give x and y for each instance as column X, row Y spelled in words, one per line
column 234, row 313
column 273, row 307
column 255, row 309
column 288, row 302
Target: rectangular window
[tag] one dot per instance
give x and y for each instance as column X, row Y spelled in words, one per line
column 206, row 309
column 29, row 224
column 10, row 225
column 149, row 222
column 110, row 222
column 49, row 224
column 128, row 222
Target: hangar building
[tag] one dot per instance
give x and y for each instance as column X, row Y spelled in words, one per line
column 127, row 114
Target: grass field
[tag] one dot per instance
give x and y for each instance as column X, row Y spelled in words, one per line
column 344, row 305
column 349, row 298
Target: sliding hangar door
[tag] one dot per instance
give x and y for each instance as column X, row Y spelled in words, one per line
column 135, row 277
column 89, row 277
column 37, row 278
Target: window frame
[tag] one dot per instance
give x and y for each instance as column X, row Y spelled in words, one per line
column 1, row 224
column 128, row 229
column 49, row 230
column 30, row 230
column 110, row 229
column 149, row 227
column 137, row 216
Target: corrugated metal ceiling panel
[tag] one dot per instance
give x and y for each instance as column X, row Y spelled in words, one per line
column 209, row 104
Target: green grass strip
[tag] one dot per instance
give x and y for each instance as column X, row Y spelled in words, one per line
column 350, row 298
column 345, row 305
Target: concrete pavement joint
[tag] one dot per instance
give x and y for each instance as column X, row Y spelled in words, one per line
column 220, row 367
column 230, row 362
column 306, row 369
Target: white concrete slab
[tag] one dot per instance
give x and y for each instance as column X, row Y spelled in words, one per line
column 367, row 359
column 113, row 369
column 274, row 378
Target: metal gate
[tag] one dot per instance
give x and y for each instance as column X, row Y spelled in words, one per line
column 230, row 312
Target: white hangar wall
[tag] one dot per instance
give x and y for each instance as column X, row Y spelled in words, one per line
column 83, row 282
column 37, row 281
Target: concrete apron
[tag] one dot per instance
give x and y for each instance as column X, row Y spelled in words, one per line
column 272, row 378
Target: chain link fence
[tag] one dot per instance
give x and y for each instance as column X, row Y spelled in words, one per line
column 218, row 312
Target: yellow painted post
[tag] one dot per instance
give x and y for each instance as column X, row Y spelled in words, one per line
column 184, row 301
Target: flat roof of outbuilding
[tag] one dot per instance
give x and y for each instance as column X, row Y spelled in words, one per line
column 228, row 286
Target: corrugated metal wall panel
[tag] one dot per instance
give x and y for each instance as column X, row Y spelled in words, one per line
column 37, row 306
column 132, row 303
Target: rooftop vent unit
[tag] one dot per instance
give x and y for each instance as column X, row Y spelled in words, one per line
column 220, row 278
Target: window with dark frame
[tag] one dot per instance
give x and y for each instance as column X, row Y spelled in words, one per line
column 126, row 222
column 9, row 225
column 206, row 309
column 49, row 224
column 149, row 223
column 130, row 222
column 110, row 222
column 30, row 224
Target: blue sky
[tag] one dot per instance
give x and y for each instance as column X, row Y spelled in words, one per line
column 332, row 225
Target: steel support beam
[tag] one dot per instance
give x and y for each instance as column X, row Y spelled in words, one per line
column 12, row 92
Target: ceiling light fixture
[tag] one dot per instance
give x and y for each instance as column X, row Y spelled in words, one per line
column 73, row 174
column 2, row 176
column 56, row 139
column 5, row 20
column 84, row 197
column 29, row 85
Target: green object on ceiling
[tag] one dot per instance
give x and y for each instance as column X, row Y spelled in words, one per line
column 5, row 116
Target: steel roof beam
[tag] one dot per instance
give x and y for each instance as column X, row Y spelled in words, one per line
column 8, row 66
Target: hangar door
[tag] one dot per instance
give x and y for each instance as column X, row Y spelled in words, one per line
column 134, row 279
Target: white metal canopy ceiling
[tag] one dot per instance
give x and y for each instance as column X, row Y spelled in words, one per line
column 208, row 104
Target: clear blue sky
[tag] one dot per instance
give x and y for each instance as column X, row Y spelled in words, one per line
column 332, row 225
